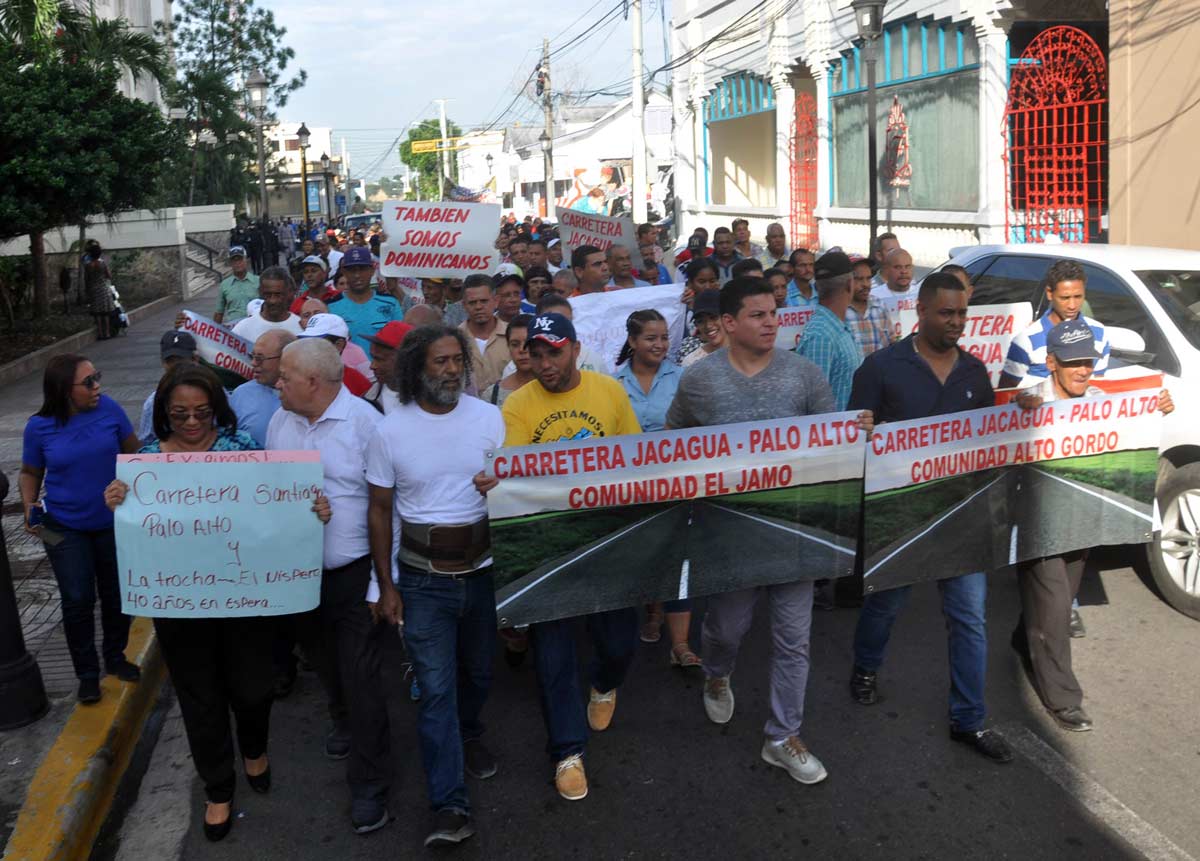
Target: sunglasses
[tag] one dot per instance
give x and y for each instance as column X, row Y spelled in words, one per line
column 182, row 417
column 91, row 381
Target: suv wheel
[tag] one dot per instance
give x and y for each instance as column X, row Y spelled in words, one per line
column 1174, row 554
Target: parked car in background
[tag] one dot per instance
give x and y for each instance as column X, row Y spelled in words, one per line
column 361, row 220
column 1148, row 300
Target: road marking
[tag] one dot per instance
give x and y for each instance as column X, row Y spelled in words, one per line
column 574, row 559
column 683, row 579
column 931, row 526
column 1012, row 546
column 1090, row 492
column 1101, row 803
column 814, row 538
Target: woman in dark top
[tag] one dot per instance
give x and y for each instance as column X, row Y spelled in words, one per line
column 97, row 279
column 69, row 456
column 217, row 665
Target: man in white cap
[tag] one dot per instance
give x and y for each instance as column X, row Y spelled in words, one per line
column 333, row 329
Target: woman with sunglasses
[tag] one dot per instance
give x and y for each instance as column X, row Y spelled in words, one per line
column 217, row 665
column 69, row 455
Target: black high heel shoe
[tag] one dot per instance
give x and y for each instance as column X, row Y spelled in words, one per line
column 218, row 831
column 260, row 783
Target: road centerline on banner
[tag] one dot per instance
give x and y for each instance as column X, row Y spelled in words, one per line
column 585, row 553
column 780, row 526
column 1101, row 803
column 683, row 579
column 1148, row 518
column 1012, row 546
column 931, row 526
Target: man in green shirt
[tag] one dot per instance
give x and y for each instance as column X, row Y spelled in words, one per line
column 237, row 290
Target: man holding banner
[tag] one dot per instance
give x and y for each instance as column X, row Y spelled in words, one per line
column 923, row 375
column 751, row 380
column 1048, row 585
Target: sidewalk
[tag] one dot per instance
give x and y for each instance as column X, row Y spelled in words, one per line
column 131, row 370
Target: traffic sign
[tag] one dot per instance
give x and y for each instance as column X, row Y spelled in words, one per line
column 438, row 145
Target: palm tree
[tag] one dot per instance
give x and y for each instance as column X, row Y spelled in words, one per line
column 52, row 30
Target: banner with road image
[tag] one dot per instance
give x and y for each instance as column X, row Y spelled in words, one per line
column 590, row 525
column 981, row 490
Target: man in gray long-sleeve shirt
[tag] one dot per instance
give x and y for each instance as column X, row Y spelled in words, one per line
column 750, row 380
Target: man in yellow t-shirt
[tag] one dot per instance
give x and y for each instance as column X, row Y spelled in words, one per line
column 565, row 403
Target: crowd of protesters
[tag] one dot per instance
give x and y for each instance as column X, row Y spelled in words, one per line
column 403, row 387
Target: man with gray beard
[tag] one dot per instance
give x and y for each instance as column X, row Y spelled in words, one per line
column 422, row 461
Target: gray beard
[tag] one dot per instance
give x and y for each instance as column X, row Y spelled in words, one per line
column 436, row 392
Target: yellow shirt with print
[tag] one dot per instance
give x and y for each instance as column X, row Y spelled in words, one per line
column 598, row 406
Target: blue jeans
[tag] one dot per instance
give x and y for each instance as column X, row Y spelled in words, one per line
column 85, row 565
column 450, row 632
column 963, row 600
column 614, row 637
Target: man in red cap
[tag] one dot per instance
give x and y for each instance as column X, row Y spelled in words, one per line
column 383, row 345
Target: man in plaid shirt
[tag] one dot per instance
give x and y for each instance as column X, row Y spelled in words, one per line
column 866, row 316
column 829, row 341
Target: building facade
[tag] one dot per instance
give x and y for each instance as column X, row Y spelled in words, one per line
column 142, row 15
column 770, row 104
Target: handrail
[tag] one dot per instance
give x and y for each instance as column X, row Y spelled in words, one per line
column 212, row 252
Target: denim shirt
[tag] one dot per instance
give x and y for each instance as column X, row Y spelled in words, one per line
column 651, row 409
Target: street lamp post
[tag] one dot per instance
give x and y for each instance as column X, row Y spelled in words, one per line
column 22, row 694
column 302, row 135
column 548, row 166
column 868, row 15
column 256, row 86
column 325, row 176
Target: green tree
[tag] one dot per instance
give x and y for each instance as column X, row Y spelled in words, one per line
column 73, row 146
column 428, row 164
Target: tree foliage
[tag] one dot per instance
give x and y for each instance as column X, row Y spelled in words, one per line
column 428, row 164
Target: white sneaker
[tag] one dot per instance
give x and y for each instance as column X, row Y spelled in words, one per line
column 718, row 699
column 792, row 756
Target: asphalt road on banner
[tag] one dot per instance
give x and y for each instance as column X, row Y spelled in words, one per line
column 704, row 548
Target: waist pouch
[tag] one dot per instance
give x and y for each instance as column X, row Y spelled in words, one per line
column 445, row 549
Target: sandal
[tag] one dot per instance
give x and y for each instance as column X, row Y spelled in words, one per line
column 683, row 657
column 652, row 628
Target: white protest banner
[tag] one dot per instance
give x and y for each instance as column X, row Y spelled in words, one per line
column 989, row 330
column 980, row 490
column 791, row 326
column 439, row 240
column 218, row 534
column 583, row 526
column 599, row 318
column 218, row 345
column 603, row 231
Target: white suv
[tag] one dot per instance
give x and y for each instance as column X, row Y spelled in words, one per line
column 1148, row 300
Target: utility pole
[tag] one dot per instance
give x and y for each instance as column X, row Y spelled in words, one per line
column 637, row 189
column 445, row 154
column 346, row 174
column 548, row 134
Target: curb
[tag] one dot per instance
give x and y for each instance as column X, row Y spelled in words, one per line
column 36, row 361
column 70, row 795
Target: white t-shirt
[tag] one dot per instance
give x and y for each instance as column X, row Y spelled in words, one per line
column 252, row 328
column 431, row 460
column 893, row 302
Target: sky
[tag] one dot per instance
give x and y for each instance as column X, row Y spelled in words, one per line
column 371, row 75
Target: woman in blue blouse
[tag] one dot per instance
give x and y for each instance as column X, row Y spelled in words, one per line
column 217, row 665
column 650, row 381
column 69, row 455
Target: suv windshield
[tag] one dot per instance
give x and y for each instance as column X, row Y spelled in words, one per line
column 1178, row 292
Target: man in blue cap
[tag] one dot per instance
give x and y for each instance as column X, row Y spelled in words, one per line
column 364, row 310
column 1048, row 585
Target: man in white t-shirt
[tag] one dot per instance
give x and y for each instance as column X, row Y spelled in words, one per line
column 422, row 460
column 897, row 292
column 318, row 413
column 277, row 291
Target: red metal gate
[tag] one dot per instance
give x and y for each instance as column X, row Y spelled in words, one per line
column 1055, row 139
column 804, row 172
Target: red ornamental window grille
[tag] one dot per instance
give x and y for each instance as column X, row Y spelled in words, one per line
column 1055, row 139
column 804, row 172
column 898, row 167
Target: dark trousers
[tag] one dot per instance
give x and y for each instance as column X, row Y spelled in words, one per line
column 85, row 565
column 450, row 632
column 218, row 666
column 1047, row 588
column 614, row 637
column 341, row 639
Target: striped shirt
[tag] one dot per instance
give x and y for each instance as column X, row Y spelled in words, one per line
column 1027, row 351
column 873, row 326
column 832, row 345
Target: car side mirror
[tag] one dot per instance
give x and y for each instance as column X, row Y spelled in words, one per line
column 1125, row 340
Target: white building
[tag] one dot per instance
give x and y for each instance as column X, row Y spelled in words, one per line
column 770, row 119
column 281, row 146
column 141, row 15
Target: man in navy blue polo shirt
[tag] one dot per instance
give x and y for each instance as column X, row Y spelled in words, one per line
column 927, row 374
